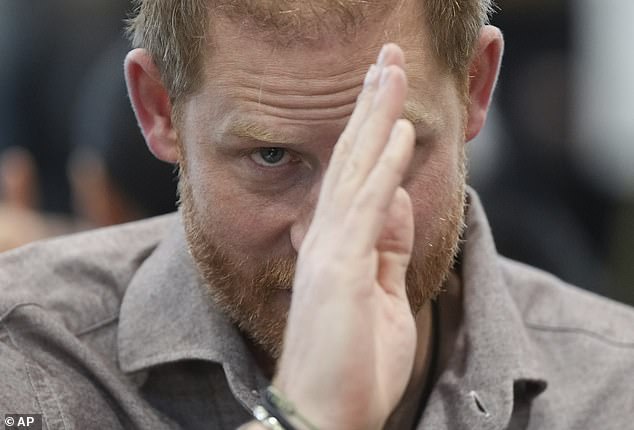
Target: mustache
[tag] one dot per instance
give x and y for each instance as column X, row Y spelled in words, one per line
column 275, row 273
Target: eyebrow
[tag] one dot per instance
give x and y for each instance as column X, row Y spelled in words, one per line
column 254, row 131
column 413, row 112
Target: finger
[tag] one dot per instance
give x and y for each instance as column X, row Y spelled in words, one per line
column 361, row 109
column 375, row 133
column 395, row 245
column 386, row 107
column 349, row 135
column 370, row 207
column 390, row 55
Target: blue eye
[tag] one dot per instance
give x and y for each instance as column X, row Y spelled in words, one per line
column 270, row 157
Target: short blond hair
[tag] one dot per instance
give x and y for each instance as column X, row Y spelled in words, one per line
column 175, row 31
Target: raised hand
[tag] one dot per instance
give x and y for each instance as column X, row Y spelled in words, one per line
column 351, row 336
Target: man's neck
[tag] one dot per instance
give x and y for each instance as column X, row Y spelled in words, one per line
column 433, row 332
column 406, row 412
column 262, row 358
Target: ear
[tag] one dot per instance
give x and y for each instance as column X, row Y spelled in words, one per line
column 483, row 74
column 151, row 104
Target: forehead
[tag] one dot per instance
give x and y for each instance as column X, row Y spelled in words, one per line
column 297, row 21
column 316, row 78
column 274, row 33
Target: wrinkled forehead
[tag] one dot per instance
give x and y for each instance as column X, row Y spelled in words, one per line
column 249, row 73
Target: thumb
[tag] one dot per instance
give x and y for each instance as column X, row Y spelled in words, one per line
column 395, row 245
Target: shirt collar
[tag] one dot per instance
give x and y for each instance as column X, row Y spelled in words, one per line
column 167, row 315
column 493, row 364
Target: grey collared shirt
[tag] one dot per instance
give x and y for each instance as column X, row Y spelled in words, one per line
column 112, row 329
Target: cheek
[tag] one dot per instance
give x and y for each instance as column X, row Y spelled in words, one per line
column 434, row 184
column 245, row 222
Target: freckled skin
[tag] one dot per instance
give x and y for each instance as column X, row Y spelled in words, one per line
column 308, row 95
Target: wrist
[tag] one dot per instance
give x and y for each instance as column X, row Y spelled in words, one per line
column 277, row 412
column 252, row 425
column 312, row 414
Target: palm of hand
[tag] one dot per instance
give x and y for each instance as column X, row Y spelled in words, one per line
column 351, row 336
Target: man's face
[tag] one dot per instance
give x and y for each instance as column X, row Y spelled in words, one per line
column 256, row 141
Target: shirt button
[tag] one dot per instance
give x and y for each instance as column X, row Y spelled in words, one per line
column 479, row 404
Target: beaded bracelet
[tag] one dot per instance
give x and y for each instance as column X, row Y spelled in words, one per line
column 276, row 412
column 264, row 418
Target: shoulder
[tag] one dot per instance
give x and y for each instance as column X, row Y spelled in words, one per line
column 81, row 278
column 583, row 345
column 59, row 304
column 549, row 304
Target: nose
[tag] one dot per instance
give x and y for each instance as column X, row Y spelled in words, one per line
column 304, row 218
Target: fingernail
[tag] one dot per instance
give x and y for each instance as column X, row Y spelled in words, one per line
column 371, row 76
column 385, row 75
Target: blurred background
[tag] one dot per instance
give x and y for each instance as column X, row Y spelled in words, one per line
column 71, row 154
column 554, row 167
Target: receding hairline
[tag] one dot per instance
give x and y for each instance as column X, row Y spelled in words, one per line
column 176, row 32
column 292, row 22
